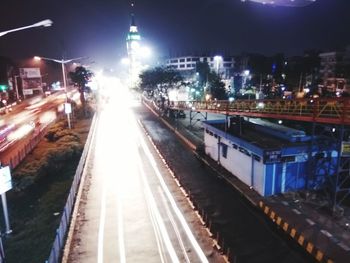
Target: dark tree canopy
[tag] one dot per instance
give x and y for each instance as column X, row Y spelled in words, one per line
column 211, row 80
column 160, row 79
column 81, row 76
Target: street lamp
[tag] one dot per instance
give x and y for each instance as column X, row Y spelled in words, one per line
column 218, row 60
column 62, row 62
column 44, row 23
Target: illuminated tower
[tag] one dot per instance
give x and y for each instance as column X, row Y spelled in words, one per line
column 133, row 46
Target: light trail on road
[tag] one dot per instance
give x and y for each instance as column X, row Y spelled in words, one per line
column 170, row 198
column 129, row 208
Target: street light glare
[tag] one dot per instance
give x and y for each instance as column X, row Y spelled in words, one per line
column 37, row 58
column 44, row 23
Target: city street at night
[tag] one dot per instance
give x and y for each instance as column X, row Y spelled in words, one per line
column 132, row 209
column 175, row 131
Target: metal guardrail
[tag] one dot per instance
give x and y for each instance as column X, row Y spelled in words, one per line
column 323, row 110
column 58, row 244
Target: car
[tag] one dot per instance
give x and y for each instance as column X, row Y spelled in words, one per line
column 181, row 114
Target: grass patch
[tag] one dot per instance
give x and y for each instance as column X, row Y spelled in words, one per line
column 42, row 184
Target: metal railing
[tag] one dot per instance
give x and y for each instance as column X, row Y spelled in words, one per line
column 59, row 242
column 323, row 110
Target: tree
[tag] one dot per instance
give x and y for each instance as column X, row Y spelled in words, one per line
column 211, row 80
column 216, row 86
column 81, row 76
column 160, row 79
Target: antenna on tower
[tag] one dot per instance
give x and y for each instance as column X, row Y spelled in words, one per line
column 132, row 4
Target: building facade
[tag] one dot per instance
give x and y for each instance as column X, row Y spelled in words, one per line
column 333, row 71
column 224, row 66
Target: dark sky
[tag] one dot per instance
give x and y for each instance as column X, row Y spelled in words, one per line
column 97, row 28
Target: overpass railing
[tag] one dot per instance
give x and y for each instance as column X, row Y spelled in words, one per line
column 323, row 110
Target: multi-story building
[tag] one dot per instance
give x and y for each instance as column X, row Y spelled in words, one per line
column 333, row 71
column 187, row 64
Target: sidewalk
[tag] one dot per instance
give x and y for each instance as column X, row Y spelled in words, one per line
column 321, row 235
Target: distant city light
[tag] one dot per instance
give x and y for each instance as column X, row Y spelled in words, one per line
column 290, row 3
column 125, row 61
column 260, row 105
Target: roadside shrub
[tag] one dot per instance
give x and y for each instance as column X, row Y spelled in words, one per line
column 62, row 147
column 81, row 113
column 58, row 131
column 58, row 126
column 64, row 133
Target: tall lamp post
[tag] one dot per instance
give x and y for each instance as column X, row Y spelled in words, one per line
column 63, row 62
column 44, row 23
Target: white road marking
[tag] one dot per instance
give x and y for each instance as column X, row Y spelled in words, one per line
column 174, row 225
column 156, row 230
column 152, row 203
column 343, row 246
column 326, row 233
column 177, row 211
column 296, row 211
column 101, row 226
column 310, row 221
column 121, row 242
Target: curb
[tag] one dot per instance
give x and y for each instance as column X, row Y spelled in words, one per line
column 187, row 141
column 318, row 254
column 70, row 234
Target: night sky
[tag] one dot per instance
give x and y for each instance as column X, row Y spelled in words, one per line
column 98, row 28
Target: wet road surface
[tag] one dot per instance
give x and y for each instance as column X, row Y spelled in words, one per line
column 250, row 237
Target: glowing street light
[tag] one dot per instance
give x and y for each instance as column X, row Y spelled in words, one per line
column 44, row 23
column 62, row 62
column 218, row 60
column 125, row 61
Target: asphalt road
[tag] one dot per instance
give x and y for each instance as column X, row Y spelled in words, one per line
column 131, row 209
column 38, row 112
column 249, row 235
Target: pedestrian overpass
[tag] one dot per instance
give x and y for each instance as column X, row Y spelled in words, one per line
column 330, row 119
column 323, row 110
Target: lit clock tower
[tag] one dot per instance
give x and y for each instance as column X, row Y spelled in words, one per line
column 133, row 46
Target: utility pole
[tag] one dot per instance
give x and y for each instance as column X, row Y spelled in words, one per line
column 16, row 87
